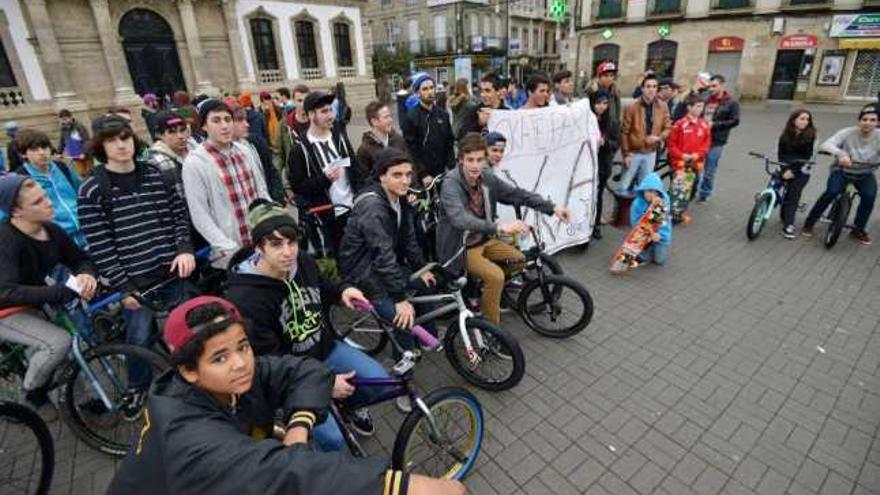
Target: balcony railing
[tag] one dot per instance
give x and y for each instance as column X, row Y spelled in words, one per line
column 347, row 72
column 309, row 74
column 270, row 76
column 488, row 44
column 609, row 9
column 731, row 4
column 665, row 7
column 11, row 97
column 795, row 3
column 431, row 46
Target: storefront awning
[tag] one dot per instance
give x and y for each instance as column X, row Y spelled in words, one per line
column 860, row 44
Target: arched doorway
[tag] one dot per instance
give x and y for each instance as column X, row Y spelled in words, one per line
column 150, row 53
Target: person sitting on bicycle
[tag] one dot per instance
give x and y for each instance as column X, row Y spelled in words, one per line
column 796, row 146
column 689, row 141
column 861, row 144
column 470, row 198
column 138, row 231
column 279, row 289
column 379, row 249
column 647, row 191
column 209, row 421
column 32, row 247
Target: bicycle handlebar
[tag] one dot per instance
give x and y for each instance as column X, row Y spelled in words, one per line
column 433, row 185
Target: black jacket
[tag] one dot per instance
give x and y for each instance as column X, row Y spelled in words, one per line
column 369, row 147
column 306, row 175
column 610, row 130
column 471, row 121
column 285, row 318
column 191, row 444
column 726, row 117
column 429, row 138
column 25, row 262
column 794, row 151
column 377, row 255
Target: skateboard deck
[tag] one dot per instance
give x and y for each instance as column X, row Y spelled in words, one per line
column 680, row 192
column 639, row 237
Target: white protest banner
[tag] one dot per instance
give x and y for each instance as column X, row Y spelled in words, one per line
column 552, row 151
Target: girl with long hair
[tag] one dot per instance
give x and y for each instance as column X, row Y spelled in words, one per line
column 795, row 149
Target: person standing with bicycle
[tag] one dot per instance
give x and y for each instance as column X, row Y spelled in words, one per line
column 859, row 143
column 32, row 247
column 796, row 146
column 138, row 231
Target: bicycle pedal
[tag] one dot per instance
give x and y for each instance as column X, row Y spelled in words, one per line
column 405, row 364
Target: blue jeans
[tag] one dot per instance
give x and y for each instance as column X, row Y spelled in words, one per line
column 138, row 324
column 866, row 185
column 656, row 253
column 641, row 165
column 342, row 359
column 385, row 308
column 707, row 181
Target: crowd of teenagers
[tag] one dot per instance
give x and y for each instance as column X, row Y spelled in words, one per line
column 114, row 214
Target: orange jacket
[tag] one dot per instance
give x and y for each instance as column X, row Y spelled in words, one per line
column 689, row 137
column 632, row 128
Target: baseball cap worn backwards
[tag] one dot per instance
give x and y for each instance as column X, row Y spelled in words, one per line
column 177, row 332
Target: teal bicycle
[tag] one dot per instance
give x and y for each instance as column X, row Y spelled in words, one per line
column 772, row 196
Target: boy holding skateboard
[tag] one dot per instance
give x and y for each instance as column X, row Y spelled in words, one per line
column 649, row 193
column 688, row 144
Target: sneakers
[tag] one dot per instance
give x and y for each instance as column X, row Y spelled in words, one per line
column 361, row 422
column 860, row 236
column 38, row 400
column 807, row 230
column 403, row 404
column 788, row 232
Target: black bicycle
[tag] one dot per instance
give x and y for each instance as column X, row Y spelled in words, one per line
column 27, row 452
column 841, row 206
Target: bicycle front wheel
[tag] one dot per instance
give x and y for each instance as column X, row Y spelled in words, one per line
column 559, row 307
column 358, row 329
column 450, row 450
column 838, row 215
column 27, row 452
column 758, row 216
column 495, row 361
column 511, row 291
column 110, row 430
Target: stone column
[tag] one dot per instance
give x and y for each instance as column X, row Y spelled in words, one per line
column 230, row 8
column 113, row 56
column 194, row 47
column 62, row 89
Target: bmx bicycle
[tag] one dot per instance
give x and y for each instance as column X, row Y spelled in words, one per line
column 841, row 205
column 771, row 196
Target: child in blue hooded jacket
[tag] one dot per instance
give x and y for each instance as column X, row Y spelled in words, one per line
column 651, row 187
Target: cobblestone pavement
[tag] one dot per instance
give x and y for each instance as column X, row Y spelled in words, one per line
column 740, row 367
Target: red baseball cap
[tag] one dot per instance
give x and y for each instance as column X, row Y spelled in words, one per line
column 608, row 66
column 178, row 332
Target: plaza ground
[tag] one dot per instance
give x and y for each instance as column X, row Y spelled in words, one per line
column 740, row 367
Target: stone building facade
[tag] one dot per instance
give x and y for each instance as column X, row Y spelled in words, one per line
column 811, row 50
column 87, row 55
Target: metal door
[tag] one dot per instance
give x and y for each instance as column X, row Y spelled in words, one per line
column 785, row 74
column 865, row 79
column 726, row 64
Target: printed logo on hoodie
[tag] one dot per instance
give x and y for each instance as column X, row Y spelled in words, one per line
column 301, row 317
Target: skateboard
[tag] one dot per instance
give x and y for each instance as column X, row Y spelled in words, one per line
column 680, row 192
column 639, row 237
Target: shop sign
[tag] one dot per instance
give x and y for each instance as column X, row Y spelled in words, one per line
column 607, row 33
column 477, row 43
column 798, row 42
column 855, row 26
column 726, row 44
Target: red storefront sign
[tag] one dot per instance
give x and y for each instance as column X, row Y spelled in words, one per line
column 798, row 42
column 726, row 44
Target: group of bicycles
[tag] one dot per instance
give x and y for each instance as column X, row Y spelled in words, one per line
column 837, row 218
column 440, row 437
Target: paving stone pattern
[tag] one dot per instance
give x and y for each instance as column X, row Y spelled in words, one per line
column 739, row 368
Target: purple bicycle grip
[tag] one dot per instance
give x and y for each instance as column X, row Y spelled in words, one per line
column 425, row 337
column 361, row 305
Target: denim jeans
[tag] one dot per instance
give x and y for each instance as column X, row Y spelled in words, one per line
column 138, row 324
column 656, row 253
column 866, row 185
column 385, row 308
column 641, row 165
column 707, row 181
column 342, row 359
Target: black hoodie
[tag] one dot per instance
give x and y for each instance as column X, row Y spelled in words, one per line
column 286, row 317
column 191, row 444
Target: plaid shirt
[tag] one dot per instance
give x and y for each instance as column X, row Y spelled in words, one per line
column 240, row 184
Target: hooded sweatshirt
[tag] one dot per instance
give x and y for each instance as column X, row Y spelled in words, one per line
column 287, row 316
column 192, row 444
column 61, row 185
column 640, row 205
